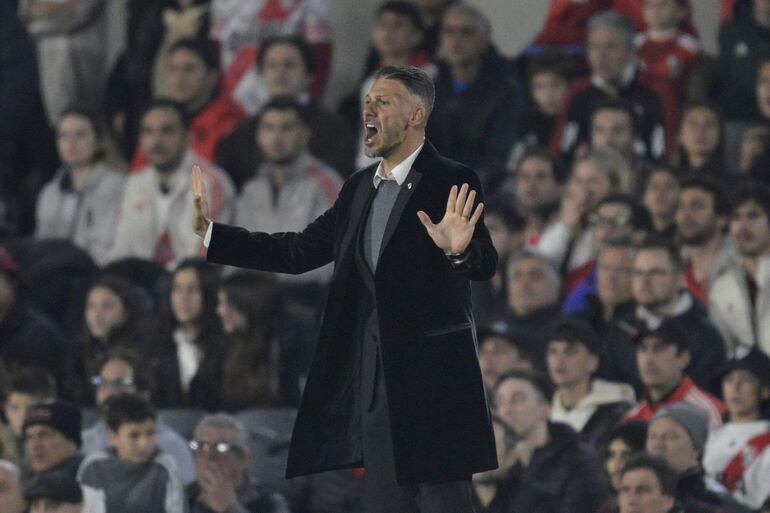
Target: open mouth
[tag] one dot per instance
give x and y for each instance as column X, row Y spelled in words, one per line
column 370, row 132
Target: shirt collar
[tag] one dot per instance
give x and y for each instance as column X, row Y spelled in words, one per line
column 625, row 78
column 400, row 171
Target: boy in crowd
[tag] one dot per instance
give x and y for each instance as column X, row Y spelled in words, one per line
column 134, row 475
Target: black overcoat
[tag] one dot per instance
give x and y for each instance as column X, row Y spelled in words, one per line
column 440, row 421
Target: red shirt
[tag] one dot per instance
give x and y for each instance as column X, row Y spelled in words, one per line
column 633, row 9
column 699, row 289
column 669, row 59
column 687, row 391
column 565, row 23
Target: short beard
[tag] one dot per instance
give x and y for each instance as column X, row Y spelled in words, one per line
column 700, row 238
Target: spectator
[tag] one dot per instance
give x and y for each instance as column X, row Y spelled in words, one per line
column 662, row 356
column 115, row 312
column 27, row 387
column 660, row 195
column 763, row 91
column 286, row 65
column 222, row 454
column 533, row 300
column 536, row 189
column 500, row 352
column 614, row 73
column 634, row 11
column 743, row 43
column 432, row 11
column 120, row 373
column 475, row 110
column 77, row 45
column 737, row 299
column 549, row 77
column 701, row 219
column 591, row 406
column 664, row 48
column 154, row 222
column 549, row 467
column 192, row 79
column 291, row 187
column 55, row 493
column 258, row 371
column 52, row 438
column 567, row 241
column 657, row 286
column 753, row 149
column 565, row 25
column 241, row 29
column 134, row 475
column 26, row 336
column 700, row 148
column 506, row 229
column 677, row 433
column 626, row 441
column 81, row 202
column 187, row 355
column 647, row 485
column 11, row 489
column 738, row 453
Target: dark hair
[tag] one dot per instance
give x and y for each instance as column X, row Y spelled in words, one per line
column 550, row 62
column 681, row 161
column 126, row 407
column 93, row 119
column 667, row 478
column 633, row 433
column 167, row 103
column 618, row 241
column 203, row 48
column 640, row 216
column 543, row 153
column 654, row 242
column 502, row 207
column 208, row 281
column 751, row 191
column 405, row 9
column 31, row 380
column 416, row 81
column 615, row 104
column 711, row 186
column 285, row 103
column 299, row 43
column 536, row 378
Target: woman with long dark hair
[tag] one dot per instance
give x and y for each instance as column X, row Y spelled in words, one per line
column 188, row 353
column 700, row 145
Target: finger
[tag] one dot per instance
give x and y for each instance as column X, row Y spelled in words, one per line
column 477, row 214
column 450, row 204
column 460, row 203
column 468, row 207
column 426, row 222
column 196, row 180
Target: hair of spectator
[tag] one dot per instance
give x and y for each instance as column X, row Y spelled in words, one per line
column 657, row 243
column 203, row 48
column 618, row 241
column 169, row 104
column 259, row 298
column 614, row 19
column 667, row 478
column 285, row 102
column 542, row 153
column 751, row 192
column 538, row 379
column 31, row 380
column 550, row 62
column 481, row 20
column 299, row 43
column 711, row 186
column 208, row 282
column 659, row 167
column 127, row 407
column 610, row 162
column 501, row 206
column 640, row 216
column 97, row 125
column 551, row 273
column 615, row 105
column 416, row 81
column 406, row 9
column 226, row 421
column 129, row 295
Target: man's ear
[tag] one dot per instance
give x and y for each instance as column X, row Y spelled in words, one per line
column 418, row 117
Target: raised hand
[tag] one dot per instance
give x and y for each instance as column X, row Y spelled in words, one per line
column 200, row 220
column 453, row 233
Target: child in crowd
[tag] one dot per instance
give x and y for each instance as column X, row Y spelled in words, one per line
column 27, row 386
column 133, row 476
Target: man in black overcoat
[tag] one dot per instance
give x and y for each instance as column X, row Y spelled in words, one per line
column 395, row 384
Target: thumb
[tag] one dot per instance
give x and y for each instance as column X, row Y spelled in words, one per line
column 426, row 222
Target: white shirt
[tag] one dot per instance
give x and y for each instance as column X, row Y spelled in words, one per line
column 189, row 358
column 399, row 172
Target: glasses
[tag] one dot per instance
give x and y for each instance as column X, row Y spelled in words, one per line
column 652, row 273
column 215, row 448
column 97, row 381
column 609, row 222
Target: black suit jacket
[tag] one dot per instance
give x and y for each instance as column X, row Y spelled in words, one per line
column 440, row 421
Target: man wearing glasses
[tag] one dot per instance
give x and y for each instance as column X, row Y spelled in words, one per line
column 221, row 449
column 117, row 375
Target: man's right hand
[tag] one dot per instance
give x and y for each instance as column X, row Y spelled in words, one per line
column 200, row 220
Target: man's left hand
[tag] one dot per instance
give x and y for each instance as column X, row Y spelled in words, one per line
column 453, row 233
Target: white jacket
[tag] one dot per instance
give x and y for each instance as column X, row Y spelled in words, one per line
column 140, row 229
column 730, row 307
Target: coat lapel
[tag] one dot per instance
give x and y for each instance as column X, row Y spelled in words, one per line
column 404, row 194
column 358, row 209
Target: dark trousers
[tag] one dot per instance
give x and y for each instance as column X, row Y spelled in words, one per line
column 381, row 492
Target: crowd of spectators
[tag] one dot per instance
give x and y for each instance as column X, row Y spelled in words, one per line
column 624, row 340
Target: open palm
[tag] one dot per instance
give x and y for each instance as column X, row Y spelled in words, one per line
column 454, row 232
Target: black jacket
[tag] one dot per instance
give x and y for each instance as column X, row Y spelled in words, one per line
column 742, row 46
column 27, row 337
column 439, row 419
